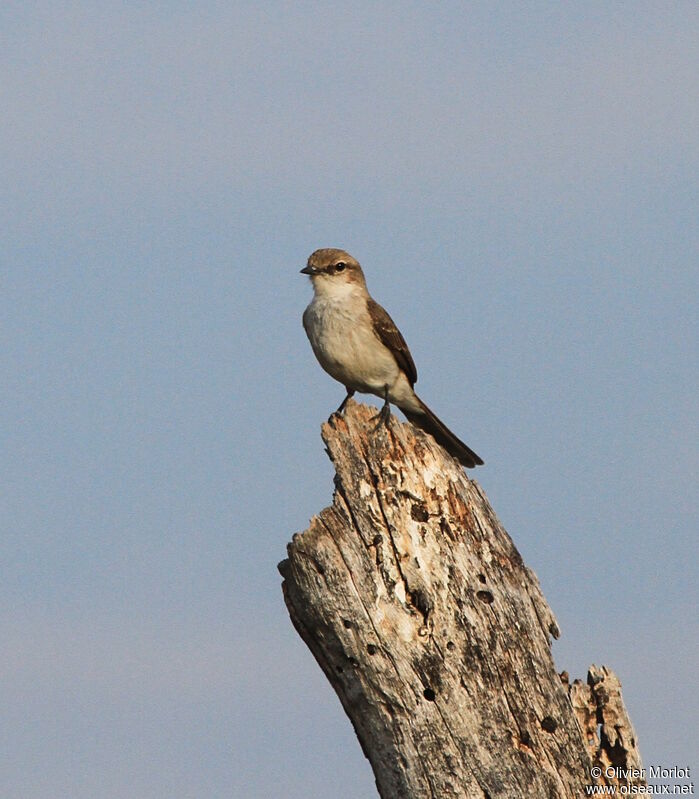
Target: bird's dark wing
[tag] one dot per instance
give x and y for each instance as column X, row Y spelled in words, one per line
column 390, row 337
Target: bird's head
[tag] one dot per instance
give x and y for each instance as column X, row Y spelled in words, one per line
column 333, row 271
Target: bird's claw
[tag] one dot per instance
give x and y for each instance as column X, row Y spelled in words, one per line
column 383, row 416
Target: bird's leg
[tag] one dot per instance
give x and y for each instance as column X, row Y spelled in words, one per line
column 385, row 413
column 350, row 393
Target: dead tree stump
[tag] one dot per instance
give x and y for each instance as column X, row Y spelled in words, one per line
column 436, row 636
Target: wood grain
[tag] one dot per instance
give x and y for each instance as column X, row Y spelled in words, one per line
column 431, row 629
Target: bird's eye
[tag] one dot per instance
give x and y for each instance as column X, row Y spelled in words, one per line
column 340, row 266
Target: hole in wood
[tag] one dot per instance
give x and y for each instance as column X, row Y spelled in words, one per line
column 481, row 577
column 371, row 649
column 485, row 596
column 347, row 623
column 421, row 602
column 549, row 724
column 451, row 646
column 429, row 694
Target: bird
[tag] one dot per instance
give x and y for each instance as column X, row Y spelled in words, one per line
column 357, row 343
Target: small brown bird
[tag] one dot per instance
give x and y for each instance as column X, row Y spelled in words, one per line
column 358, row 344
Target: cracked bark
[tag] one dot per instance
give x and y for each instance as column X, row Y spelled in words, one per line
column 436, row 636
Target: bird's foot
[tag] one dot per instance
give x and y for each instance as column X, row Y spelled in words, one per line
column 341, row 409
column 382, row 416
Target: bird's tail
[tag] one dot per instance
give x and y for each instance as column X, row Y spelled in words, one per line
column 427, row 421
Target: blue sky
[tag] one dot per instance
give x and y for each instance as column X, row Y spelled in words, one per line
column 519, row 182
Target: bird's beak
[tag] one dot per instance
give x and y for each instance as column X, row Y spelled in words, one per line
column 309, row 270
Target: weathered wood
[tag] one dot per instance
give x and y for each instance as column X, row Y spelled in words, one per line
column 606, row 727
column 433, row 632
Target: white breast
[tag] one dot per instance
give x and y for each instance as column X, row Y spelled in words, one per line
column 343, row 340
